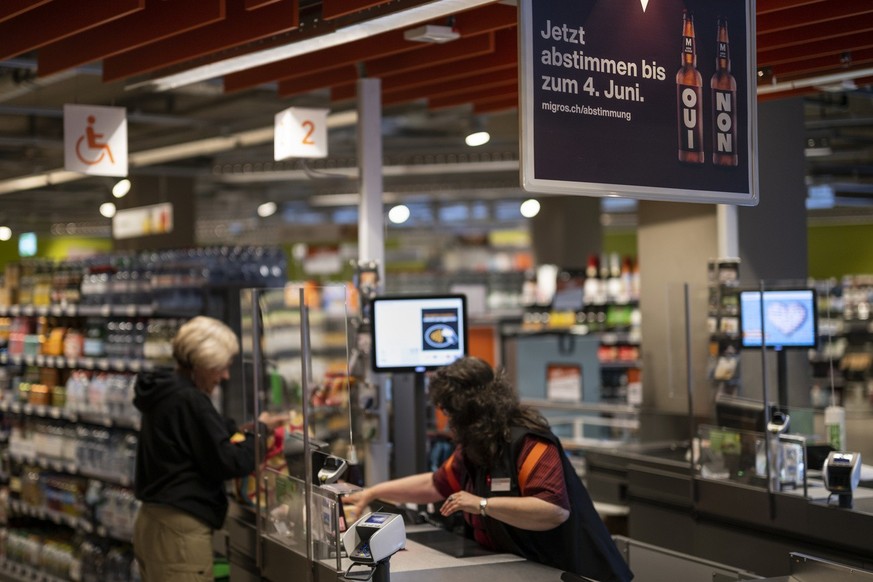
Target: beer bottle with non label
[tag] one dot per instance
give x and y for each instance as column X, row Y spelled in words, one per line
column 724, row 103
column 689, row 96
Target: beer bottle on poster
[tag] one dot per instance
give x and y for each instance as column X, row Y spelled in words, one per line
column 689, row 96
column 724, row 103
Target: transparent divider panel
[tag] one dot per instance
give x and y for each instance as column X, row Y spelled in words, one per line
column 732, row 455
column 741, row 456
column 304, row 349
column 286, row 517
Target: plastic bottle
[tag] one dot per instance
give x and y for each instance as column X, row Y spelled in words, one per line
column 835, row 426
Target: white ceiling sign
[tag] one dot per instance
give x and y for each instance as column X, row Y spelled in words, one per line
column 95, row 140
column 301, row 133
column 143, row 221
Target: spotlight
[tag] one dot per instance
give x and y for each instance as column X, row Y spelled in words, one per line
column 478, row 138
column 107, row 209
column 530, row 208
column 399, row 214
column 121, row 188
column 5, row 233
column 267, row 209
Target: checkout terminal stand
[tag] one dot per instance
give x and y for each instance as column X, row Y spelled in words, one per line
column 371, row 541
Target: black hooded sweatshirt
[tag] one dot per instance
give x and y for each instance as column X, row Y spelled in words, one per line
column 185, row 454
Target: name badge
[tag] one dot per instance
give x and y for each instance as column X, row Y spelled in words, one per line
column 501, row 485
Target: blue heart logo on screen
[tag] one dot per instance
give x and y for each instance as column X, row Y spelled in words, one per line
column 440, row 336
column 786, row 316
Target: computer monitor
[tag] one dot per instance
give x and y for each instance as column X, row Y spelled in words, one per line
column 790, row 318
column 416, row 333
column 738, row 413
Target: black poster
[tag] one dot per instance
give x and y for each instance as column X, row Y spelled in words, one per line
column 649, row 99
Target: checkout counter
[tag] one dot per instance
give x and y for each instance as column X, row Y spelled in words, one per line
column 290, row 526
column 430, row 554
column 726, row 519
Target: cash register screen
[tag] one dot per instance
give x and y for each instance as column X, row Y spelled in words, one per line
column 418, row 333
column 377, row 518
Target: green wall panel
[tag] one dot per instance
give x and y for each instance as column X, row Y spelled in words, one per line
column 835, row 251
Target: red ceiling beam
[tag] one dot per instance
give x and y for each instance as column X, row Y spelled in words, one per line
column 58, row 19
column 336, row 8
column 497, row 100
column 255, row 4
column 814, row 32
column 432, row 55
column 12, row 8
column 240, row 26
column 472, row 81
column 486, row 19
column 498, row 92
column 505, row 55
column 768, row 6
column 343, row 92
column 385, row 44
column 468, row 23
column 324, row 78
column 826, row 65
column 810, row 50
column 159, row 20
column 806, row 15
column 496, row 106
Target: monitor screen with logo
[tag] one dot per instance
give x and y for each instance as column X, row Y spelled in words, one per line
column 418, row 333
column 790, row 318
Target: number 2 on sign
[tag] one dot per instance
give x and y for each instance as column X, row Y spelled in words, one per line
column 310, row 129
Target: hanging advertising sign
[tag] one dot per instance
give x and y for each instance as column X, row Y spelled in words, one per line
column 300, row 133
column 647, row 99
column 95, row 140
column 143, row 221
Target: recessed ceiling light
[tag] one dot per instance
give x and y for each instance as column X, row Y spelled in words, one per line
column 530, row 208
column 121, row 188
column 399, row 214
column 267, row 209
column 107, row 209
column 478, row 138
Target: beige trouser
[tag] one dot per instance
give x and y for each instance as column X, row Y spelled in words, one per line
column 171, row 545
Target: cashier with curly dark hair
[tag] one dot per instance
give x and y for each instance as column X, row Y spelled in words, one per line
column 186, row 452
column 510, row 476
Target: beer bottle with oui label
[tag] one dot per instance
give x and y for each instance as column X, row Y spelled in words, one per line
column 724, row 103
column 689, row 94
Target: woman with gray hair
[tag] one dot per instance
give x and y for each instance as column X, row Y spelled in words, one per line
column 186, row 452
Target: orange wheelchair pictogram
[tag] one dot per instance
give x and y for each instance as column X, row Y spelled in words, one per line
column 92, row 137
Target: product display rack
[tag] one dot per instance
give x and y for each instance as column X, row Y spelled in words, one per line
column 67, row 504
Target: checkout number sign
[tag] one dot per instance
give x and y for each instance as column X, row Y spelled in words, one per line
column 300, row 133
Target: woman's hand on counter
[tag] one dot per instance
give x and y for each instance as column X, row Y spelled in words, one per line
column 460, row 501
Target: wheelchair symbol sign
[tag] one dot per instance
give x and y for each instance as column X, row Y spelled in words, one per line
column 95, row 140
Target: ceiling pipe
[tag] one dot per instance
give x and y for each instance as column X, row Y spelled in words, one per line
column 818, row 81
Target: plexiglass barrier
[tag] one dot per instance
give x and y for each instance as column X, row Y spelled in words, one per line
column 742, row 457
column 296, row 341
column 740, row 359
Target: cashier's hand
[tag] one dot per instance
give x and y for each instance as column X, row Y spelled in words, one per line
column 355, row 504
column 460, row 501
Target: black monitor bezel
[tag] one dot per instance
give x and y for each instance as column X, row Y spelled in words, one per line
column 773, row 346
column 465, row 324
